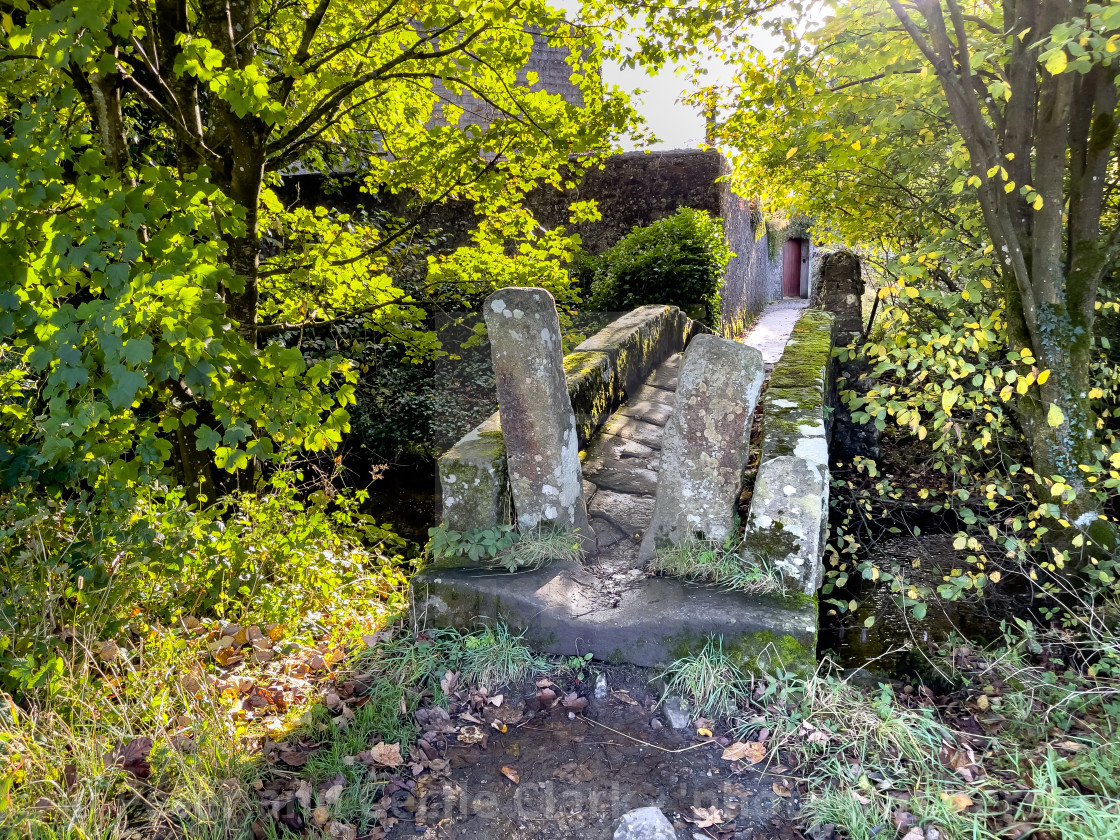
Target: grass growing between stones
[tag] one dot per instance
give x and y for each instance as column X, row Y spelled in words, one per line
column 538, row 548
column 724, row 564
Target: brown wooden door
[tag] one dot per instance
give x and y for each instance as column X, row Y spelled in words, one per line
column 791, row 269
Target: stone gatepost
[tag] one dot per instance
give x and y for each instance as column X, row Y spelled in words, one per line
column 538, row 424
column 705, row 444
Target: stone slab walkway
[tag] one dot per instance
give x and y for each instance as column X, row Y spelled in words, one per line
column 771, row 329
column 620, row 470
column 620, row 465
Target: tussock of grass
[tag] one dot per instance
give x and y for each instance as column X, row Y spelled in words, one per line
column 711, row 682
column 538, row 548
column 56, row 783
column 724, row 564
column 496, row 657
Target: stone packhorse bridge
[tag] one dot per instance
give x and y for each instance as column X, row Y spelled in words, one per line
column 637, row 442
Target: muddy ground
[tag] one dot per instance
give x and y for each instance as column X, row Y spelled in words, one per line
column 564, row 771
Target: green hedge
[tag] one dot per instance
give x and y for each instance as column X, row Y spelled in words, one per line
column 677, row 261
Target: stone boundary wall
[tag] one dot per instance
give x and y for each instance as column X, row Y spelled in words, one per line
column 788, row 520
column 635, row 189
column 632, row 189
column 601, row 373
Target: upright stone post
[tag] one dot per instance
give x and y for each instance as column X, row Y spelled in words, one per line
column 538, row 424
column 705, row 444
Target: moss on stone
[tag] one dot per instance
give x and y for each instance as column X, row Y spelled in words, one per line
column 756, row 652
column 773, row 542
column 805, row 360
column 582, row 361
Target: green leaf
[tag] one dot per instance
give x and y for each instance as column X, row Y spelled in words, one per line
column 138, row 351
column 206, row 438
column 125, row 384
column 231, row 459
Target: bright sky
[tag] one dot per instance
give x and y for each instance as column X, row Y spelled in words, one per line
column 677, row 126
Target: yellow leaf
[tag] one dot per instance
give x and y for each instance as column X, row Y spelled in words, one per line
column 1057, row 62
column 1042, row 377
column 956, row 801
column 856, row 146
column 994, row 577
column 707, row 733
column 751, row 751
column 1054, row 416
column 791, row 152
column 1037, row 203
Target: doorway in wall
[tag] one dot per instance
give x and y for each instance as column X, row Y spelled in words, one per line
column 791, row 268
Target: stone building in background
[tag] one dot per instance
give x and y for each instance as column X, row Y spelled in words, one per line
column 549, row 63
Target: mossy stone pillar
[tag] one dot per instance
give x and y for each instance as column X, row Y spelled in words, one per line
column 538, row 424
column 705, row 444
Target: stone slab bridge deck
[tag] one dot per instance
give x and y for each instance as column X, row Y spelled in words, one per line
column 660, row 415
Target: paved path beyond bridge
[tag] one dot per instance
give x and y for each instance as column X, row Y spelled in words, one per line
column 770, row 331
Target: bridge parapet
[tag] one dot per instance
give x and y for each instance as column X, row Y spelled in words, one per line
column 601, row 374
column 788, row 520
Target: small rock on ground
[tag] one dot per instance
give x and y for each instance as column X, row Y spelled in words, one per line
column 645, row 824
column 676, row 711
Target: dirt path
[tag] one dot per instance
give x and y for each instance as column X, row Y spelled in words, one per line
column 577, row 773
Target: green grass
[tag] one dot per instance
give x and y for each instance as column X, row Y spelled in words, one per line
column 724, row 564
column 710, row 681
column 538, row 548
column 495, row 657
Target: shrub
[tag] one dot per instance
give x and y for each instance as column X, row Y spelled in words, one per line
column 677, row 261
column 76, row 571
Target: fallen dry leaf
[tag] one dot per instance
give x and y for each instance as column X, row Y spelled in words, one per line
column 574, row 703
column 342, row 831
column 294, row 758
column 470, row 735
column 750, row 751
column 303, row 794
column 387, row 755
column 956, row 801
column 132, row 757
column 108, row 650
column 781, row 790
column 511, row 774
column 332, row 794
column 706, row 817
column 701, row 730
